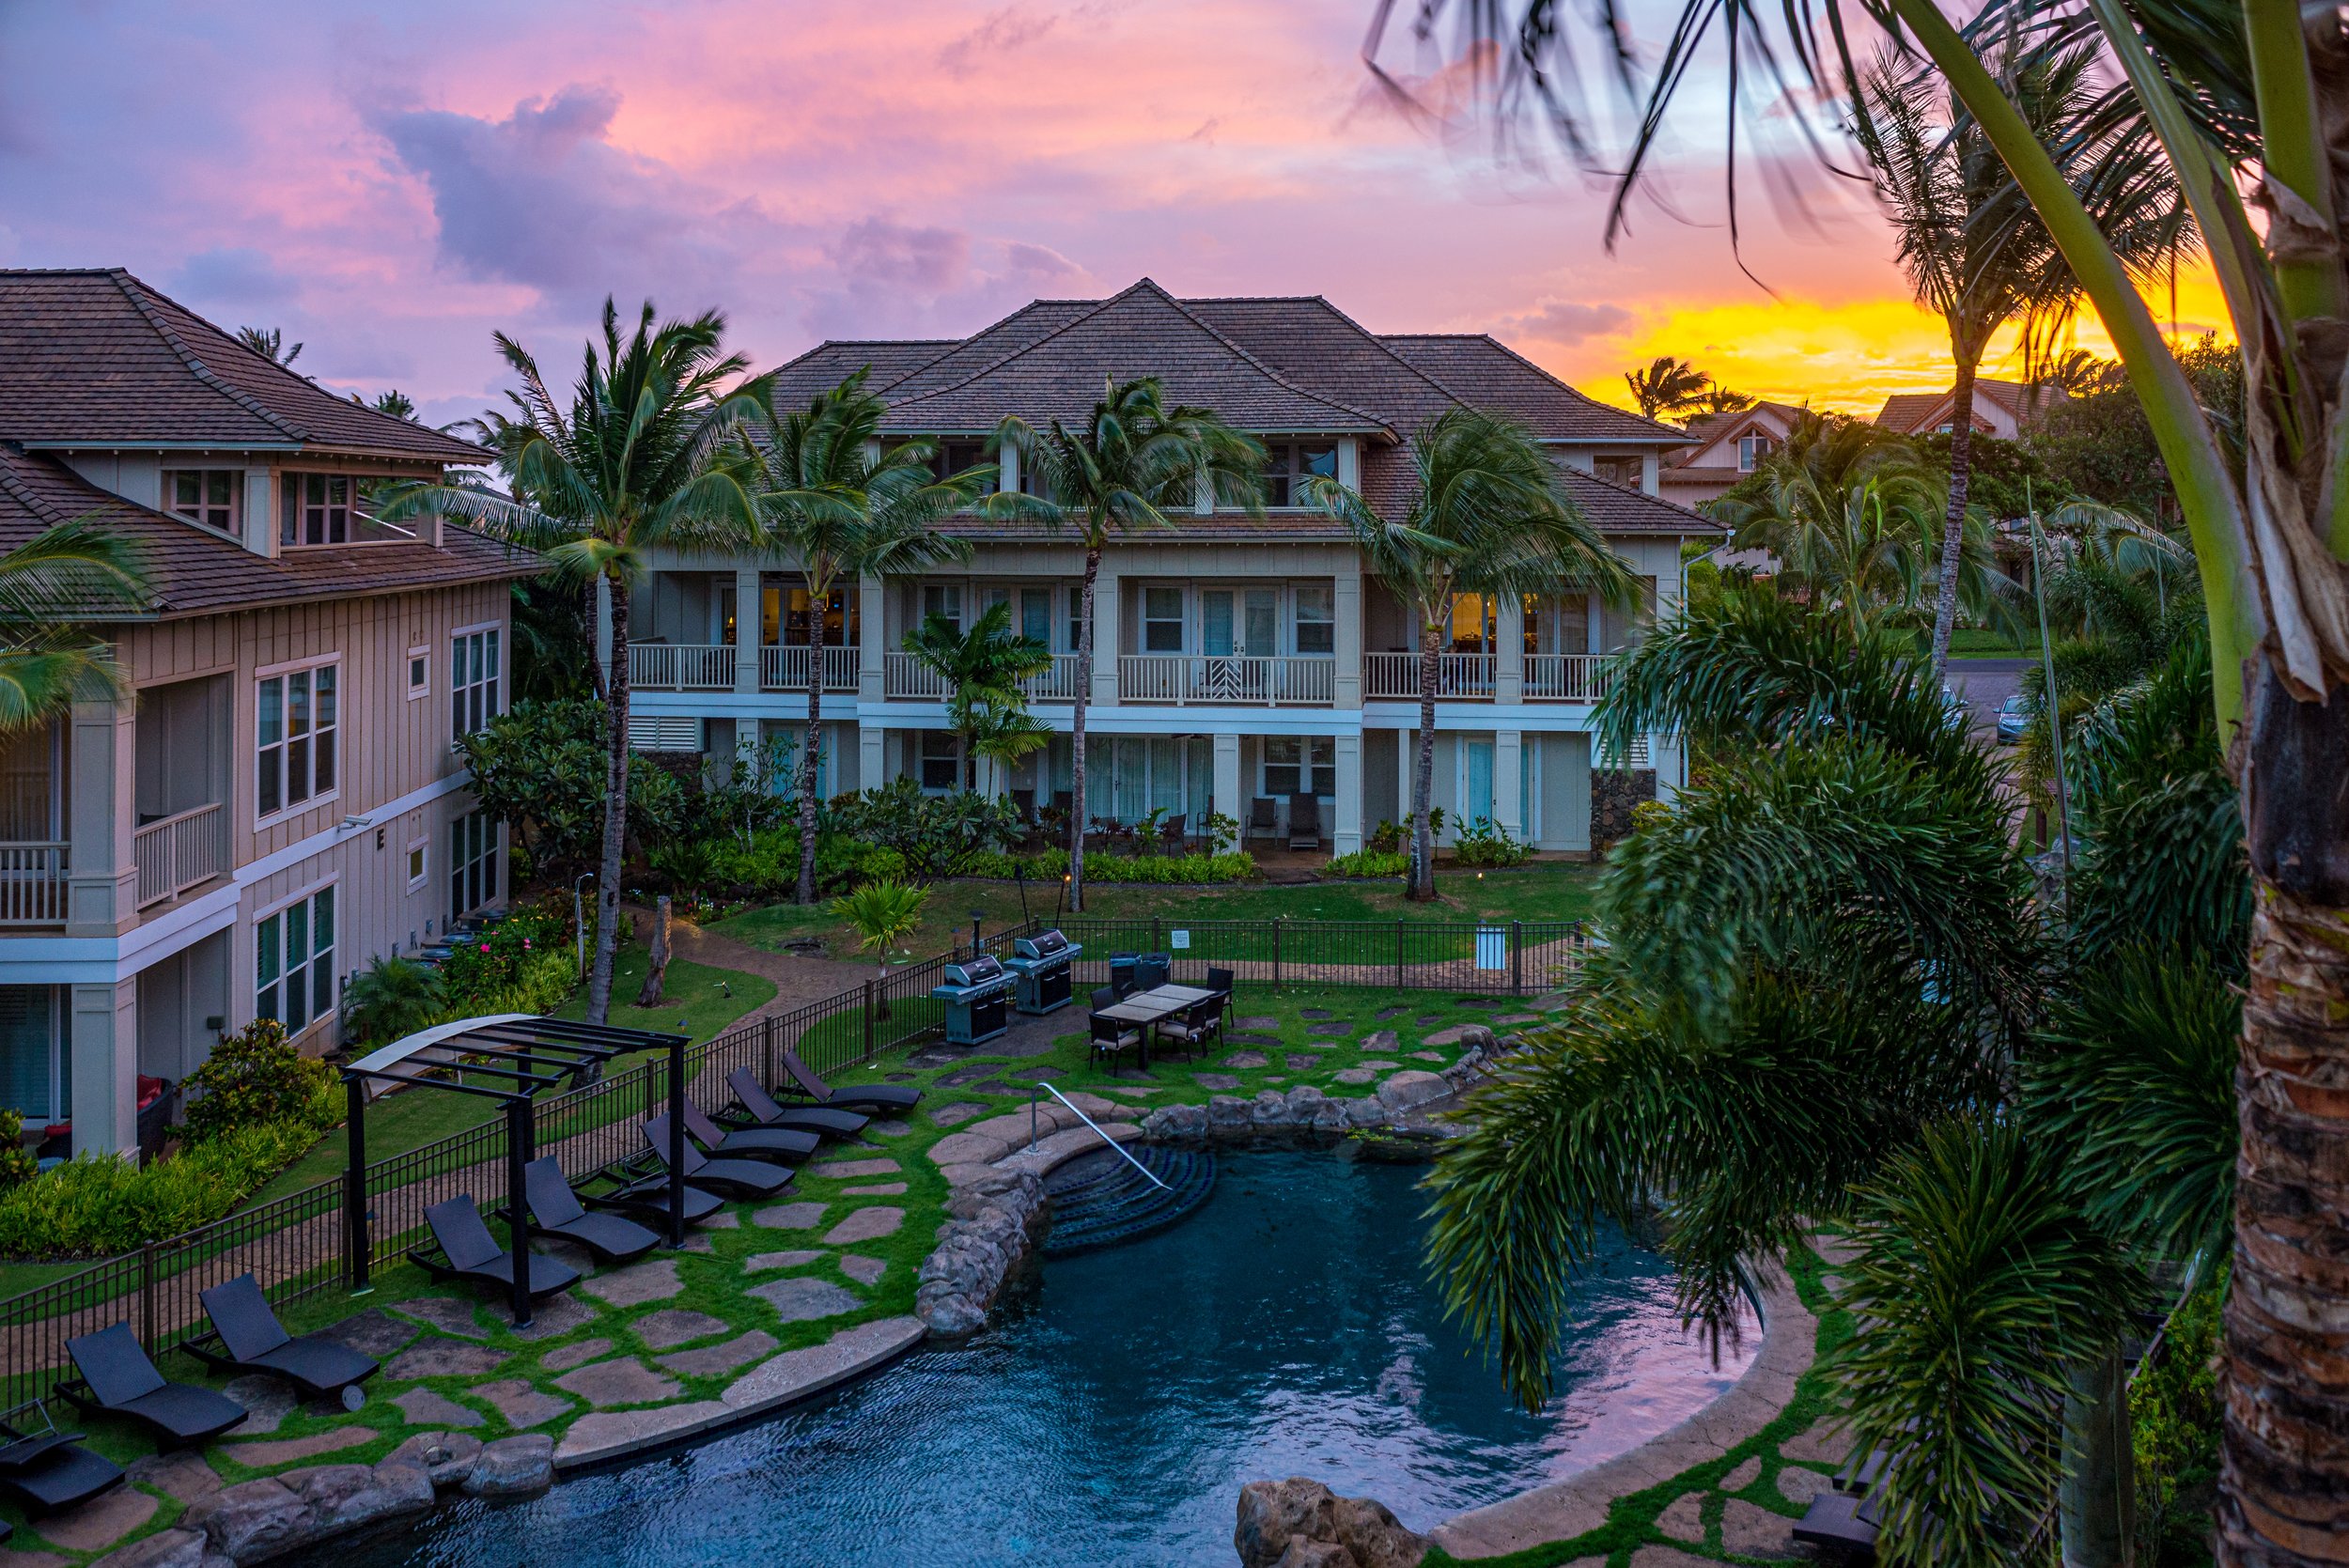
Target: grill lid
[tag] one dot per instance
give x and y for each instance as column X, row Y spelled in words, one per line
column 983, row 971
column 1044, row 944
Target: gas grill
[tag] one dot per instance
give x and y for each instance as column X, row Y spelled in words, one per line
column 1043, row 963
column 978, row 993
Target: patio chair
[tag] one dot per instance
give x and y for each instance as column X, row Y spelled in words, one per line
column 1122, row 978
column 463, row 1248
column 1023, row 802
column 1175, row 833
column 1219, row 982
column 48, row 1471
column 118, row 1379
column 880, row 1100
column 1109, row 1037
column 1151, row 970
column 556, row 1211
column 246, row 1336
column 755, row 1107
column 771, row 1143
column 729, row 1178
column 1192, row 1028
column 1304, row 822
column 1262, row 812
column 1104, row 996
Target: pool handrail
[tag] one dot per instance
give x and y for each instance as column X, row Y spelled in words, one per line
column 1048, row 1089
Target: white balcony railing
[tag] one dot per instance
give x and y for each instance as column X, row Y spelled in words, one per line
column 1458, row 675
column 785, row 669
column 1167, row 677
column 681, row 666
column 1568, row 677
column 905, row 678
column 179, row 851
column 32, row 884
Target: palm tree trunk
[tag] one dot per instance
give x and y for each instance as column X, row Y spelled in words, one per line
column 1953, row 530
column 2097, row 1496
column 1077, row 728
column 1424, row 774
column 614, row 817
column 2284, row 1481
column 805, row 893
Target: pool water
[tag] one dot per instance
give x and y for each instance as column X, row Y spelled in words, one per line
column 1113, row 1411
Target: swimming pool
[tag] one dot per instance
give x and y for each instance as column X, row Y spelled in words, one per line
column 1112, row 1413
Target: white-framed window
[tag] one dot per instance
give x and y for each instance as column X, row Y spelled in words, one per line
column 474, row 660
column 1299, row 764
column 473, row 864
column 297, row 736
column 36, row 1053
column 1161, row 620
column 315, row 509
column 204, row 495
column 1617, row 470
column 293, row 977
column 1035, row 615
column 1290, row 464
column 940, row 762
column 1751, row 450
column 419, row 861
column 1316, row 620
column 955, row 455
column 419, row 673
column 944, row 601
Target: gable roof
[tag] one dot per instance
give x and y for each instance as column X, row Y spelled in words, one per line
column 96, row 358
column 1910, row 411
column 195, row 571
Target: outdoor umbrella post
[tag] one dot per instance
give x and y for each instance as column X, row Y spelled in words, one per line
column 677, row 1140
column 518, row 1142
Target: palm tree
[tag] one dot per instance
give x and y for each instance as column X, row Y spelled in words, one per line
column 643, row 458
column 270, row 343
column 986, row 705
column 1667, row 386
column 2211, row 91
column 832, row 497
column 1132, row 461
column 1974, row 249
column 1488, row 516
column 51, row 587
column 882, row 914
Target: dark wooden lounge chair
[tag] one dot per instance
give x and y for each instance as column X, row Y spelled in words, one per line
column 1842, row 1524
column 246, row 1336
column 462, row 1249
column 729, row 1178
column 556, row 1210
column 118, row 1379
column 638, row 1190
column 884, row 1099
column 1304, row 822
column 755, row 1107
column 771, row 1143
column 48, row 1471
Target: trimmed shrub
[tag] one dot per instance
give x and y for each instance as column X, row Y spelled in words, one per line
column 17, row 1162
column 1050, row 866
column 1368, row 864
column 1650, row 814
column 254, row 1076
column 97, row 1205
column 1485, row 842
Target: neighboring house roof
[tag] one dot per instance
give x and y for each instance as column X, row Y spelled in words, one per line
column 1911, row 412
column 195, row 571
column 97, row 359
column 1710, row 433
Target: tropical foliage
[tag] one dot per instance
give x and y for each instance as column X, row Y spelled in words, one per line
column 50, row 587
column 252, row 1077
column 932, row 836
column 1670, row 388
column 986, row 706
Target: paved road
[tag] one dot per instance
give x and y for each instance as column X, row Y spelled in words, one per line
column 1986, row 684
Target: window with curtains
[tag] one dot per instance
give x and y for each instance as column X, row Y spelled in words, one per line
column 294, row 962
column 473, row 681
column 35, row 1055
column 473, row 864
column 298, row 735
column 1300, row 764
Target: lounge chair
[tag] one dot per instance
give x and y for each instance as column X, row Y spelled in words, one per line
column 462, row 1249
column 774, row 1144
column 1843, row 1523
column 1109, row 1037
column 881, row 1099
column 45, row 1472
column 1304, row 822
column 1193, row 1026
column 638, row 1190
column 118, row 1379
column 729, row 1178
column 246, row 1336
column 556, row 1211
column 759, row 1108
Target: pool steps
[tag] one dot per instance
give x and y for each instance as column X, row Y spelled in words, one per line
column 1113, row 1203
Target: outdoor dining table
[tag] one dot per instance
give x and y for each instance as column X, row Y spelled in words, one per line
column 1152, row 1007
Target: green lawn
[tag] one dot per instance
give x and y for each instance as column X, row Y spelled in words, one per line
column 1551, row 891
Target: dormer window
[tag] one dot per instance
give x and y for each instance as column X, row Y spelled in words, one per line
column 1751, row 450
column 1290, row 466
column 1617, row 470
column 955, row 456
column 315, row 509
column 205, row 496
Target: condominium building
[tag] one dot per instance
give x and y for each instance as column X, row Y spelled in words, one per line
column 1240, row 661
column 273, row 798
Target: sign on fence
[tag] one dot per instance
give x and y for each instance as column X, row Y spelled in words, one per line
column 1492, row 947
column 1178, row 940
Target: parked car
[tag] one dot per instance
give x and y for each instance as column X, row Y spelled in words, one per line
column 1955, row 711
column 2014, row 718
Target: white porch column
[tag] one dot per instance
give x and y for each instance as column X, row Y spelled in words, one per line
column 101, row 889
column 1508, row 651
column 872, row 620
column 1225, row 791
column 1509, row 782
column 1107, row 620
column 1345, row 834
column 104, row 1021
column 1346, row 636
column 1671, row 761
column 746, row 618
column 872, row 757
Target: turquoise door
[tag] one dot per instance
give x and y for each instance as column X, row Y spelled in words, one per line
column 1476, row 795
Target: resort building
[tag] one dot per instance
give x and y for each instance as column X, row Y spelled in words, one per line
column 274, row 798
column 2001, row 408
column 1726, row 447
column 1240, row 661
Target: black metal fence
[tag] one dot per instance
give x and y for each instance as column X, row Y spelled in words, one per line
column 1515, row 957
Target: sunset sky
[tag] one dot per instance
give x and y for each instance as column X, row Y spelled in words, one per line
column 389, row 183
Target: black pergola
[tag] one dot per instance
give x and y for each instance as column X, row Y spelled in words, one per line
column 526, row 1055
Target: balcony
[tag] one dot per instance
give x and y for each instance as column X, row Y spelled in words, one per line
column 1568, row 677
column 1306, row 680
column 181, row 851
column 785, row 669
column 681, row 666
column 906, row 678
column 1458, row 675
column 32, row 884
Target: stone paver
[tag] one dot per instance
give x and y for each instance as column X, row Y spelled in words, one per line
column 1300, row 1063
column 100, row 1522
column 565, row 1358
column 1799, row 1486
column 676, row 1326
column 1429, row 1056
column 1246, row 1023
column 838, row 1168
column 1383, row 1039
column 27, row 1557
column 1219, row 1082
column 1518, row 1017
column 443, row 1359
column 864, row 1271
column 1451, row 1036
column 866, row 1225
column 285, row 1451
column 267, row 1400
column 1381, row 1066
column 1743, row 1476
column 1242, row 1037
column 444, row 1313
column 712, row 1359
column 1822, row 1445
column 1243, row 1060
column 1683, row 1519
column 182, row 1474
column 1314, row 1012
column 1667, row 1557
column 373, row 1332
column 791, row 1258
column 802, row 1299
column 968, row 1148
column 878, row 1189
column 894, row 1126
column 956, row 1114
column 521, row 1405
column 429, row 1408
column 553, row 1318
column 1752, row 1531
column 724, row 1219
column 622, row 1380
column 1336, row 1029
column 1353, row 1075
column 790, row 1217
column 1385, row 1013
